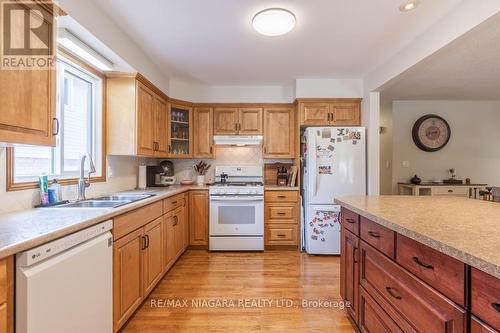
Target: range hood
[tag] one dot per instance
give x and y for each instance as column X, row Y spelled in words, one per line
column 237, row 140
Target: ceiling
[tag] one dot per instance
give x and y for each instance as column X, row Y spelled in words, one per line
column 466, row 69
column 213, row 42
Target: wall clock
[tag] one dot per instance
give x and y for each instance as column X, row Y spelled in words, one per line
column 431, row 133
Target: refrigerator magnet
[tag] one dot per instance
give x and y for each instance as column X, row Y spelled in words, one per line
column 325, row 170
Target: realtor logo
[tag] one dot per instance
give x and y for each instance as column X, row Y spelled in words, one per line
column 27, row 35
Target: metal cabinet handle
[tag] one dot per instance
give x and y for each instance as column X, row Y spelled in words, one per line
column 352, row 221
column 281, row 196
column 496, row 306
column 143, row 243
column 354, row 256
column 329, row 115
column 235, row 126
column 169, row 148
column 450, row 191
column 56, row 126
column 281, row 213
column 281, row 235
column 374, row 234
column 210, row 149
column 423, row 264
column 147, row 241
column 174, row 202
column 393, row 293
column 265, row 150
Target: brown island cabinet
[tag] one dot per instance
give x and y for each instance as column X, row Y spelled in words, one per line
column 395, row 284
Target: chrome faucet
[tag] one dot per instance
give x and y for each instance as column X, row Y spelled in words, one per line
column 82, row 182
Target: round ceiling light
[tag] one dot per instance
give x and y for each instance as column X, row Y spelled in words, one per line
column 409, row 5
column 273, row 22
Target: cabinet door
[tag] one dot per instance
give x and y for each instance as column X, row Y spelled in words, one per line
column 168, row 240
column 127, row 276
column 27, row 101
column 279, row 133
column 250, row 121
column 203, row 133
column 314, row 113
column 345, row 114
column 372, row 319
column 145, row 121
column 198, row 218
column 152, row 255
column 181, row 132
column 186, row 220
column 349, row 266
column 226, row 121
column 161, row 127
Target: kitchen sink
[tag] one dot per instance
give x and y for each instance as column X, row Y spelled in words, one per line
column 110, row 201
column 95, row 204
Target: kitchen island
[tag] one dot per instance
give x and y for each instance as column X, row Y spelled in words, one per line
column 421, row 264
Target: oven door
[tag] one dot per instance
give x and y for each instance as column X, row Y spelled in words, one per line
column 236, row 215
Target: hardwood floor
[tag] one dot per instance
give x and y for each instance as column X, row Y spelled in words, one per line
column 201, row 282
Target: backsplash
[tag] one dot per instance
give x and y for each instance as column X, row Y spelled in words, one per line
column 123, row 176
column 224, row 155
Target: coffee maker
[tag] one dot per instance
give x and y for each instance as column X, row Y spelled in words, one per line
column 160, row 175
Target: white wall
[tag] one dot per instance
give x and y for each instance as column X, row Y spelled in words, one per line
column 325, row 88
column 472, row 150
column 201, row 93
column 386, row 147
column 123, row 176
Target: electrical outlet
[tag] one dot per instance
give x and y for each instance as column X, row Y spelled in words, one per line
column 406, row 164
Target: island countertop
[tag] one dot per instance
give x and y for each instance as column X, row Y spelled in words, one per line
column 26, row 229
column 465, row 229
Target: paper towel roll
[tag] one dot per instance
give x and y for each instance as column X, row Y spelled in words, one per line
column 142, row 177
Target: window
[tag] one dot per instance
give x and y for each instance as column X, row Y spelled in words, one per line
column 80, row 114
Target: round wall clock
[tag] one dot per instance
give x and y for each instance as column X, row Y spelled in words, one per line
column 431, row 133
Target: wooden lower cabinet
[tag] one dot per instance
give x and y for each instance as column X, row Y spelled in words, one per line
column 7, row 295
column 485, row 296
column 281, row 218
column 372, row 319
column 478, row 326
column 169, row 241
column 127, row 276
column 349, row 274
column 198, row 218
column 152, row 255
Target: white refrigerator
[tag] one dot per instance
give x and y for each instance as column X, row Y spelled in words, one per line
column 334, row 165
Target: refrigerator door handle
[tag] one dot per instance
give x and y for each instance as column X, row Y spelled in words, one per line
column 313, row 176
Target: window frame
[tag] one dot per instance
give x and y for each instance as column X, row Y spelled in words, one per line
column 18, row 186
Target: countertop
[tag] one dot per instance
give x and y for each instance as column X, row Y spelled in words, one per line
column 26, row 229
column 465, row 229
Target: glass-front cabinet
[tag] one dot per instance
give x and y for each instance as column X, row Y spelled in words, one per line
column 180, row 131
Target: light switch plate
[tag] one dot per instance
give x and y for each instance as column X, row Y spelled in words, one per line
column 406, row 164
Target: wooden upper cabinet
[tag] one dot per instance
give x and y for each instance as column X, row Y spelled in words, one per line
column 345, row 114
column 28, row 103
column 181, row 131
column 161, row 127
column 226, row 121
column 279, row 133
column 137, row 117
column 203, row 133
column 330, row 112
column 314, row 113
column 238, row 121
column 145, row 121
column 250, row 121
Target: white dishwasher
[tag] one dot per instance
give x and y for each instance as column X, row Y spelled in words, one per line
column 66, row 286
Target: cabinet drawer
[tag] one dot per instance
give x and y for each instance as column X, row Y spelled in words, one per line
column 378, row 236
column 281, row 196
column 280, row 212
column 3, row 281
column 350, row 221
column 426, row 310
column 455, row 191
column 477, row 326
column 372, row 318
column 172, row 203
column 285, row 234
column 442, row 272
column 486, row 298
column 128, row 222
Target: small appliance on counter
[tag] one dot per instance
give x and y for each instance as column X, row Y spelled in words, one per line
column 282, row 176
column 160, row 175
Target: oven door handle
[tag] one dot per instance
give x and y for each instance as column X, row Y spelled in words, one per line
column 260, row 198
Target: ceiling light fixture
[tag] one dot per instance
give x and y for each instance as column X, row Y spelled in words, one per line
column 274, row 22
column 409, row 5
column 73, row 44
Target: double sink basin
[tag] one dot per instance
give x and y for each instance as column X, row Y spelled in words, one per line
column 111, row 201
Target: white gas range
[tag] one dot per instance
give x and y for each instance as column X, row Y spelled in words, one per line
column 237, row 209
